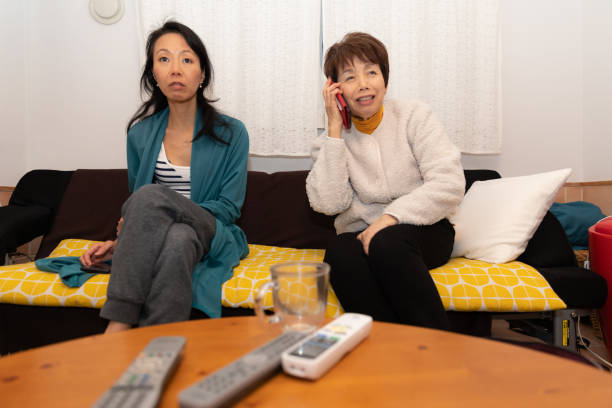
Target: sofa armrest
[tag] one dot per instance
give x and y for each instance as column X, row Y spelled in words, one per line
column 578, row 287
column 31, row 208
column 549, row 246
column 21, row 224
column 41, row 187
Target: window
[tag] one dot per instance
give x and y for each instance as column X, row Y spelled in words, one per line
column 266, row 55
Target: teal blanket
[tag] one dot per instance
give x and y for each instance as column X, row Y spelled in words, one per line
column 577, row 217
column 67, row 267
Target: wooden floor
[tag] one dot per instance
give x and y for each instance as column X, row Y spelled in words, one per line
column 500, row 330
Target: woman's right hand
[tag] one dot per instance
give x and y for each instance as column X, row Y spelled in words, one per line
column 98, row 252
column 334, row 120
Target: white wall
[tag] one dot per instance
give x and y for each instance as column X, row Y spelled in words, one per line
column 12, row 96
column 82, row 86
column 73, row 84
column 541, row 80
column 597, row 92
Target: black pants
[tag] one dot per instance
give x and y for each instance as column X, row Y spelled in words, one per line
column 393, row 283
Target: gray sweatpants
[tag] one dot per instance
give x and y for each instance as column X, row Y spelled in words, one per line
column 163, row 236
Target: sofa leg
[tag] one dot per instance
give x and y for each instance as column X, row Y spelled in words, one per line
column 562, row 333
column 9, row 259
column 564, row 327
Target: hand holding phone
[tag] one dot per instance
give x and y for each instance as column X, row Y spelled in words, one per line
column 101, row 267
column 343, row 107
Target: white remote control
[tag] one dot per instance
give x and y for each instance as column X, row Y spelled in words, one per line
column 231, row 382
column 141, row 384
column 320, row 351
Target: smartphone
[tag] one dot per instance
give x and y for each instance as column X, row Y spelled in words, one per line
column 345, row 111
column 101, row 267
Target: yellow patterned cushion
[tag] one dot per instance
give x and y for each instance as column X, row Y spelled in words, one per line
column 254, row 270
column 464, row 285
column 470, row 285
column 24, row 284
column 71, row 247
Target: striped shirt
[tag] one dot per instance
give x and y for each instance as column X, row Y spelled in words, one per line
column 177, row 178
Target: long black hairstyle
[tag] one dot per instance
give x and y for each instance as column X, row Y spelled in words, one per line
column 157, row 100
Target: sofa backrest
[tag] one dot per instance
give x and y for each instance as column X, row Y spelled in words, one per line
column 478, row 175
column 89, row 209
column 276, row 212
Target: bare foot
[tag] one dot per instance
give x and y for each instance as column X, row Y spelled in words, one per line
column 114, row 327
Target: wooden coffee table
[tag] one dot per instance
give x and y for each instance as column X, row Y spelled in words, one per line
column 395, row 366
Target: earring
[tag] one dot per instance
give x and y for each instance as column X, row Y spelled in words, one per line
column 201, row 83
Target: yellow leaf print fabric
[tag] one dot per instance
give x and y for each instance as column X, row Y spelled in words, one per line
column 463, row 284
column 469, row 285
column 254, row 271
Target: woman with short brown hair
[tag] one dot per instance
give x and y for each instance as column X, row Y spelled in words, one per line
column 392, row 179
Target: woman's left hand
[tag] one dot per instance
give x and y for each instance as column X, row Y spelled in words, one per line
column 366, row 236
column 119, row 224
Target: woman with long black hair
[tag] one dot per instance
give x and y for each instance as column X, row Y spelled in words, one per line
column 187, row 167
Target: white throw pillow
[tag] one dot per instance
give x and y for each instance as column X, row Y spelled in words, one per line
column 498, row 217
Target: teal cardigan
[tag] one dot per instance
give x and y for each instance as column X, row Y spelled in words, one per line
column 218, row 184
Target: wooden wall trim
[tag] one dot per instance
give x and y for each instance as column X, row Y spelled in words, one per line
column 589, row 183
column 596, row 192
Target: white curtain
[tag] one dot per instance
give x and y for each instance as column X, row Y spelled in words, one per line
column 266, row 57
column 266, row 60
column 445, row 53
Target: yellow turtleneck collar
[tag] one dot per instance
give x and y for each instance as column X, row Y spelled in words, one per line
column 368, row 126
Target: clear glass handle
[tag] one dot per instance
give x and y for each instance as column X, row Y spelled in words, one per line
column 259, row 303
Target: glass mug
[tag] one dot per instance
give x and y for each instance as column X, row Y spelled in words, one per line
column 299, row 293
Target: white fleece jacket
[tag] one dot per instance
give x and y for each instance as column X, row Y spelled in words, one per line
column 407, row 168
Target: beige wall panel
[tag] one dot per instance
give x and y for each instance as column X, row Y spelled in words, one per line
column 599, row 195
column 573, row 194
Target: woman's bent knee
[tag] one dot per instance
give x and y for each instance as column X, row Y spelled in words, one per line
column 148, row 197
column 151, row 193
column 393, row 239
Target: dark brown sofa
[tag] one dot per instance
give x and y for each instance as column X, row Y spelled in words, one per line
column 276, row 212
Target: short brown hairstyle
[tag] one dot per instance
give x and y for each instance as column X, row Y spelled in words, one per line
column 360, row 45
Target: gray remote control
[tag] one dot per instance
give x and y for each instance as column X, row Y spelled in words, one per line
column 231, row 382
column 142, row 382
